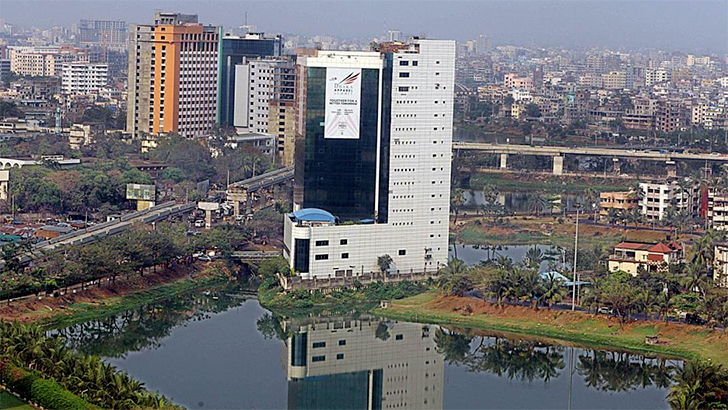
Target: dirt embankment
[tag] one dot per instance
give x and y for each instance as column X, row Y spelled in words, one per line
column 36, row 309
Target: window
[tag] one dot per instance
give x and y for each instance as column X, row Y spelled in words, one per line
column 403, row 89
column 345, row 255
column 339, row 356
column 415, row 63
column 318, row 345
column 322, row 243
column 322, row 257
column 402, row 252
column 399, row 337
column 404, row 62
column 403, row 75
column 344, row 242
column 318, row 358
column 342, row 342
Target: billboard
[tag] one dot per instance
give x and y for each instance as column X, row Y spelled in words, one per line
column 343, row 100
column 140, row 192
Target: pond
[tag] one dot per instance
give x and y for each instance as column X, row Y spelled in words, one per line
column 474, row 254
column 224, row 351
column 520, row 202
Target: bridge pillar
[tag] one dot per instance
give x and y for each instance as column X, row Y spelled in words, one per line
column 558, row 165
column 249, row 203
column 671, row 168
column 236, row 208
column 617, row 167
column 503, row 161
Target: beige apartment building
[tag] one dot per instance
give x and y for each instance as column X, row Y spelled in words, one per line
column 629, row 256
column 623, row 201
column 720, row 264
column 44, row 61
column 717, row 212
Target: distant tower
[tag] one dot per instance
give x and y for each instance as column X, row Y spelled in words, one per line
column 58, row 120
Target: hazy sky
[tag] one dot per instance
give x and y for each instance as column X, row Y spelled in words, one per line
column 699, row 25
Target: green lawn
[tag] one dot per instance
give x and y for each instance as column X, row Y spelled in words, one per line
column 10, row 402
column 684, row 341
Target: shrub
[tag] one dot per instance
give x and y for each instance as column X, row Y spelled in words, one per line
column 51, row 395
column 18, row 380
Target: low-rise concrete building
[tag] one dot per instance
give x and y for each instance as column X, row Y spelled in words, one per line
column 629, row 256
column 720, row 264
column 623, row 201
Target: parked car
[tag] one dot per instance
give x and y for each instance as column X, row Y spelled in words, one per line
column 199, row 223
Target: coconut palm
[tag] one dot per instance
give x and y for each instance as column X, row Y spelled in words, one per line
column 537, row 204
column 457, row 201
column 700, row 385
column 553, row 289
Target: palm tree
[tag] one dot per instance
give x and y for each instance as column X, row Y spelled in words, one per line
column 531, row 287
column 553, row 289
column 700, row 385
column 533, row 258
column 664, row 304
column 458, row 199
column 384, row 262
column 537, row 204
column 592, row 197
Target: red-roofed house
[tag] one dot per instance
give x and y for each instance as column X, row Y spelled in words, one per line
column 629, row 256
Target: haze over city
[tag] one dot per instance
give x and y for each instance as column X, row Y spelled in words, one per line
column 700, row 26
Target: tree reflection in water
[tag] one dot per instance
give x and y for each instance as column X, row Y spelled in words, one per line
column 531, row 360
column 145, row 326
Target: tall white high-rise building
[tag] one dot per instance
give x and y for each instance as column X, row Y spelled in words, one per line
column 83, row 78
column 374, row 136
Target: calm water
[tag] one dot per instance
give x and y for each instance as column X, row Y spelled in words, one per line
column 229, row 353
column 474, row 254
column 521, row 201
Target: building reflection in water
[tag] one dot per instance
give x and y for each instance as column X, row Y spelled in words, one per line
column 362, row 363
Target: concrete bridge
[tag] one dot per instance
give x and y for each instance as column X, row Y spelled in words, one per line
column 558, row 153
column 242, row 191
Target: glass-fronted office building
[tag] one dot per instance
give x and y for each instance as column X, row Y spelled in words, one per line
column 232, row 51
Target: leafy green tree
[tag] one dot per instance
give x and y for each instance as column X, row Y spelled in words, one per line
column 553, row 289
column 173, row 174
column 699, row 385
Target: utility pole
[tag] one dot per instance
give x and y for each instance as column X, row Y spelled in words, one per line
column 576, row 252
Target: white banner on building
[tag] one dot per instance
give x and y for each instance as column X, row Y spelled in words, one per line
column 343, row 102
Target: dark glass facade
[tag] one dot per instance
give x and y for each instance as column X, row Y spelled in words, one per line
column 232, row 51
column 301, row 255
column 338, row 175
column 336, row 391
column 383, row 209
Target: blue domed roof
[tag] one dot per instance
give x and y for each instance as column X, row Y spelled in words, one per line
column 313, row 215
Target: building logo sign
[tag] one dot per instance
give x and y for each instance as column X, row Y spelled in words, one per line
column 343, row 103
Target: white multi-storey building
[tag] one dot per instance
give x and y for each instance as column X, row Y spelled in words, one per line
column 657, row 197
column 256, row 82
column 83, row 78
column 43, row 60
column 373, row 151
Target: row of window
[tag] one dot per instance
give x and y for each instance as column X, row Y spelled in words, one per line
column 345, row 255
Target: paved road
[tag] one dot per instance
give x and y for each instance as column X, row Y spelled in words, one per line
column 652, row 155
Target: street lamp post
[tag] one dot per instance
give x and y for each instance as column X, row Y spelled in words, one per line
column 576, row 252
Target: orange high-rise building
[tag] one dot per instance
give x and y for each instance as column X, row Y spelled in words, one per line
column 173, row 69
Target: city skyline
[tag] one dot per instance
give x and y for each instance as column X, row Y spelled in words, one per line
column 676, row 25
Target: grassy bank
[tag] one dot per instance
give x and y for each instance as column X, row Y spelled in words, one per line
column 10, row 402
column 551, row 230
column 688, row 342
column 294, row 303
column 99, row 302
column 509, row 182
